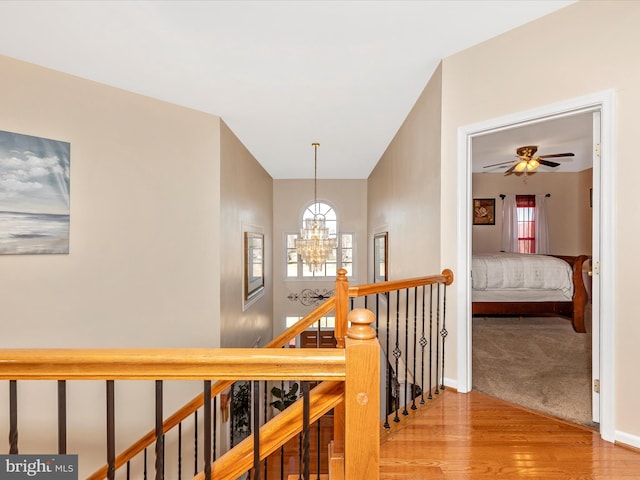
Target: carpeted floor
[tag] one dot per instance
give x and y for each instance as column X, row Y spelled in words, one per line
column 538, row 363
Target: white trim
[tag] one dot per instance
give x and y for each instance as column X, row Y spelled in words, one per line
column 604, row 101
column 451, row 383
column 628, row 439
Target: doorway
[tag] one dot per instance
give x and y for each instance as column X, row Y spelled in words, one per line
column 603, row 240
column 538, row 362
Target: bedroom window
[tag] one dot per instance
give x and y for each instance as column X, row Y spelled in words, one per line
column 526, row 214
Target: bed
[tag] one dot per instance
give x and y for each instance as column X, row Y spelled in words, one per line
column 529, row 285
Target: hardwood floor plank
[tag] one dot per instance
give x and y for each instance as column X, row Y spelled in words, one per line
column 473, row 436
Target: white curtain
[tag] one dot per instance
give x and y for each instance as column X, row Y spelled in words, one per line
column 509, row 224
column 542, row 225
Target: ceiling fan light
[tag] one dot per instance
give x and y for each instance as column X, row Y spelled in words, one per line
column 521, row 166
column 533, row 164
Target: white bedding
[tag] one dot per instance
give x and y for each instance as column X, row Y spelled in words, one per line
column 513, row 275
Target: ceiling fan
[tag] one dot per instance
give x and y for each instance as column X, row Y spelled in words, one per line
column 526, row 161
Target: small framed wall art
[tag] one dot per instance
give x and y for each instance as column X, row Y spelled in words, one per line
column 484, row 211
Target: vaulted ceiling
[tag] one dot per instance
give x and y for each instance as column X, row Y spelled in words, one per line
column 281, row 74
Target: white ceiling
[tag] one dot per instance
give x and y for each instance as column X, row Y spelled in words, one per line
column 281, row 74
column 572, row 134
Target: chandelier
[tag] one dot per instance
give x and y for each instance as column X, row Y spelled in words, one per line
column 314, row 245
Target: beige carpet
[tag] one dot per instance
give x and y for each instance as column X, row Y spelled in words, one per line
column 538, row 363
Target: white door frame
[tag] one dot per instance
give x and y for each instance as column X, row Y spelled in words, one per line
column 603, row 101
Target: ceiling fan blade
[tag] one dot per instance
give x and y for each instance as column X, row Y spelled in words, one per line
column 556, row 155
column 548, row 163
column 497, row 164
column 510, row 171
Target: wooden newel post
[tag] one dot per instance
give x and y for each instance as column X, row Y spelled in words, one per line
column 362, row 398
column 342, row 307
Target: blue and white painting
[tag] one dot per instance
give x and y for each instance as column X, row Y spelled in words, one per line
column 34, row 194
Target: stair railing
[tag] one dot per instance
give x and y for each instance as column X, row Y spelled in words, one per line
column 373, row 295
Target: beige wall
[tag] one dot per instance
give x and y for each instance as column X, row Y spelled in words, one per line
column 290, row 198
column 404, row 190
column 143, row 267
column 568, row 208
column 246, row 205
column 404, row 198
column 584, row 48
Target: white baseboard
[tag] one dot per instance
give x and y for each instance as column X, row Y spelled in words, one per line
column 627, row 439
column 450, row 382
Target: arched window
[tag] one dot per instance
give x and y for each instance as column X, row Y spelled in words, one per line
column 343, row 254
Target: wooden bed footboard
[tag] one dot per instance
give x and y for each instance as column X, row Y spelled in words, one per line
column 574, row 310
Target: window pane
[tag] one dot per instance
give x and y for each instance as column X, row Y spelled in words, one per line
column 331, row 269
column 292, row 270
column 325, row 322
column 526, row 223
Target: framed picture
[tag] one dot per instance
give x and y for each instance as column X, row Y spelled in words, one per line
column 380, row 257
column 484, row 211
column 253, row 265
column 34, row 195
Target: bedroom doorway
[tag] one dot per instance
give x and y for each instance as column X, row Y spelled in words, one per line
column 601, row 242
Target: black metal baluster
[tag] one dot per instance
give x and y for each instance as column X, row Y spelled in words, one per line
column 256, row 429
column 232, row 418
column 305, row 429
column 443, row 332
column 423, row 343
column 206, row 447
column 145, row 465
column 128, row 469
column 195, row 443
column 397, row 353
column 430, row 397
column 215, row 427
column 180, row 451
column 437, row 392
column 159, row 436
column 265, row 416
column 387, row 399
column 13, row 417
column 406, row 353
column 415, row 346
column 111, row 431
column 62, row 417
column 282, row 447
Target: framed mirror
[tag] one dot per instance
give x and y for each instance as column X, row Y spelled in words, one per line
column 253, row 265
column 380, row 257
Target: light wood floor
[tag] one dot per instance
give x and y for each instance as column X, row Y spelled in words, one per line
column 473, row 436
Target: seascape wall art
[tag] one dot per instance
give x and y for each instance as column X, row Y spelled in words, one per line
column 34, row 195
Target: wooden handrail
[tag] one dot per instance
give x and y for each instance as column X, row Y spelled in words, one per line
column 373, row 288
column 172, row 364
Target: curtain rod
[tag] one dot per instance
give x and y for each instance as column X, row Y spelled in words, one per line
column 502, row 195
